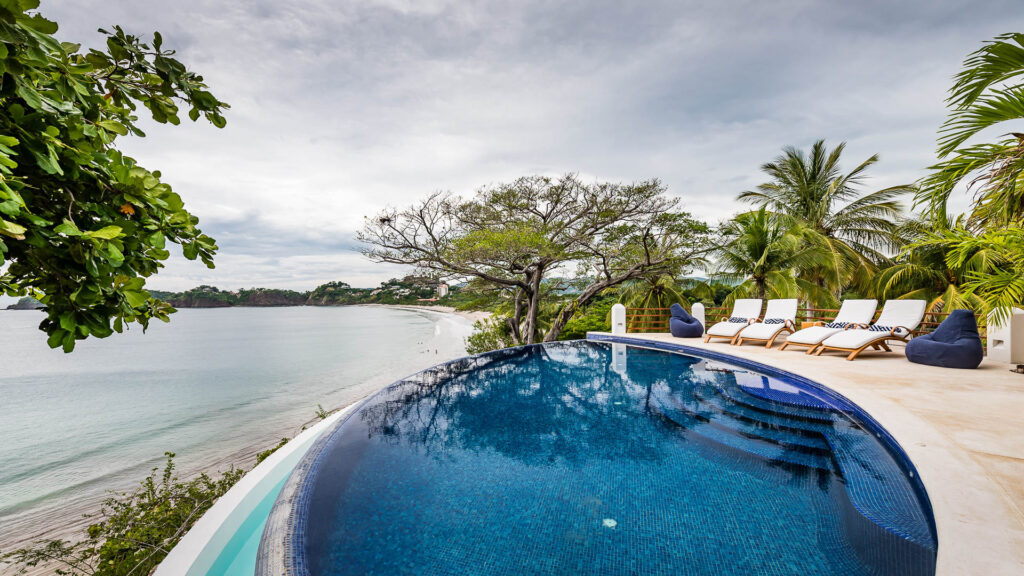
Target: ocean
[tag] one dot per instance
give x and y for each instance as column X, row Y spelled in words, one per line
column 214, row 386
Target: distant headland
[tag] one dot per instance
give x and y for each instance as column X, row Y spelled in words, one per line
column 407, row 290
column 410, row 290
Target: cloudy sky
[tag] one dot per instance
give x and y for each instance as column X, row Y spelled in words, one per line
column 340, row 108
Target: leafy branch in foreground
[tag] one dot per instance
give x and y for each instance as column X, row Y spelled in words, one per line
column 133, row 532
column 81, row 224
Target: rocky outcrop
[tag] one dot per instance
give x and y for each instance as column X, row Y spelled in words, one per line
column 26, row 303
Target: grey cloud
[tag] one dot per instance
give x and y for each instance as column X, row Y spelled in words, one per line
column 340, row 108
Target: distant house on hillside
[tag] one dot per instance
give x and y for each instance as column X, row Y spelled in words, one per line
column 442, row 290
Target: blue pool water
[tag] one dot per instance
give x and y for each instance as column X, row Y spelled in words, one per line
column 585, row 457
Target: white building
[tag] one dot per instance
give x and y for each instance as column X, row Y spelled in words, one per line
column 442, row 290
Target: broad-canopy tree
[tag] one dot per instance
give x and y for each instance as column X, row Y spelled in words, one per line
column 82, row 225
column 513, row 236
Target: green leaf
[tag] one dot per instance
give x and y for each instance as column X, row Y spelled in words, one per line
column 114, row 255
column 55, row 338
column 30, row 96
column 106, row 233
column 13, row 230
column 113, row 126
column 40, row 24
column 136, row 298
column 67, row 228
column 69, row 342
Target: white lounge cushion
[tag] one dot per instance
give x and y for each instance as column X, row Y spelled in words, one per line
column 852, row 339
column 726, row 329
column 762, row 331
column 776, row 316
column 850, row 312
column 812, row 335
column 783, row 308
column 744, row 308
column 903, row 315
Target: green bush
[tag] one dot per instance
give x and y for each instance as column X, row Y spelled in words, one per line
column 134, row 531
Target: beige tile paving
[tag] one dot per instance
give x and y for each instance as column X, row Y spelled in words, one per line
column 963, row 429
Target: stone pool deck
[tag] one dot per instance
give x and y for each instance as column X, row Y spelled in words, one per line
column 963, row 430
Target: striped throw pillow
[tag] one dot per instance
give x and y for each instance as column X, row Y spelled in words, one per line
column 837, row 325
column 775, row 321
column 737, row 320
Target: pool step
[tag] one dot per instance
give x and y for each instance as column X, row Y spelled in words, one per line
column 712, row 397
column 806, row 440
column 875, row 484
column 742, row 396
column 669, row 408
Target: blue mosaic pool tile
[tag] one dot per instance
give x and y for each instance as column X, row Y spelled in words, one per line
column 553, row 459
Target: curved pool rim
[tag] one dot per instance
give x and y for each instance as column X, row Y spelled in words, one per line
column 281, row 549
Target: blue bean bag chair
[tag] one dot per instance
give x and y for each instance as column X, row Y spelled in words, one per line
column 954, row 344
column 683, row 325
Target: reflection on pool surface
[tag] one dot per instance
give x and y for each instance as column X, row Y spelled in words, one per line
column 580, row 458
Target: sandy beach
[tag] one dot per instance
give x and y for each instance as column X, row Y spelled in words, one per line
column 472, row 315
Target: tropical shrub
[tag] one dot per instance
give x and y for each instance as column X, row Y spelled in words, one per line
column 926, row 270
column 133, row 531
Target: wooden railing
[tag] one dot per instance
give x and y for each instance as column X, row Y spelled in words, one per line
column 656, row 319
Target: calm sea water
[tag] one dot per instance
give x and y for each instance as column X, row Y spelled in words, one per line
column 213, row 386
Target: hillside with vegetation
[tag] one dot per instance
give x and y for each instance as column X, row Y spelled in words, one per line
column 410, row 290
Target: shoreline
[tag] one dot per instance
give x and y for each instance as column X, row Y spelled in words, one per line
column 471, row 315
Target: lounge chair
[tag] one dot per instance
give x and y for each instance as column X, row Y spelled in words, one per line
column 744, row 312
column 852, row 314
column 899, row 318
column 779, row 317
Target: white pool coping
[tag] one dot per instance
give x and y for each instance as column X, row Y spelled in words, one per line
column 196, row 552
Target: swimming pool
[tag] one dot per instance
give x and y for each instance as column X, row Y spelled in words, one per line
column 606, row 459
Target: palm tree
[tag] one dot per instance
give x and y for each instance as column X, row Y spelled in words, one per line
column 852, row 228
column 992, row 264
column 765, row 255
column 651, row 292
column 925, row 270
column 986, row 93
